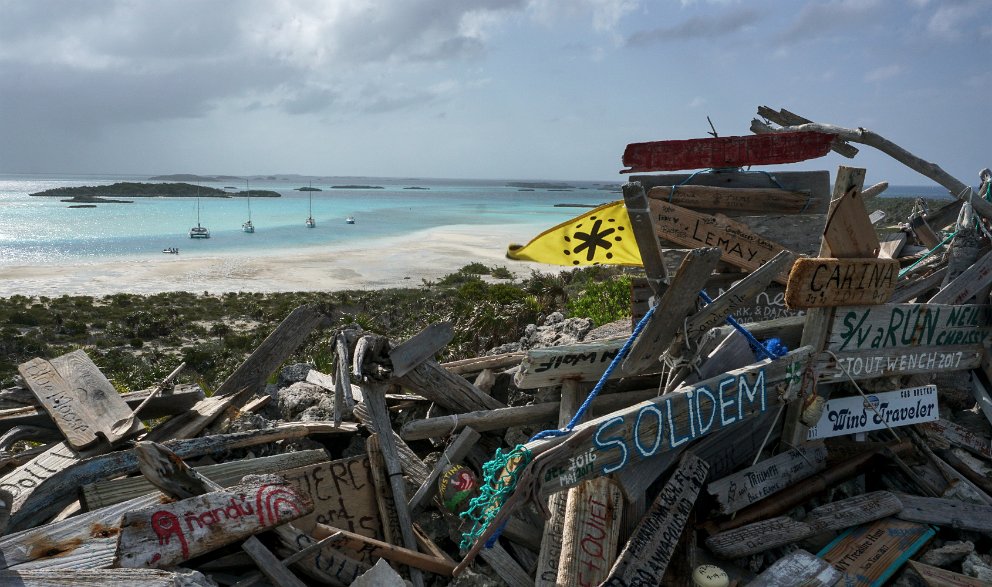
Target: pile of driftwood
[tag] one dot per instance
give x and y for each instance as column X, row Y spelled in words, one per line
column 854, row 451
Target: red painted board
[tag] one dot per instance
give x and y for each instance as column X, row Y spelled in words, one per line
column 766, row 149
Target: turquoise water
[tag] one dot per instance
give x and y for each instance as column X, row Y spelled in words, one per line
column 40, row 230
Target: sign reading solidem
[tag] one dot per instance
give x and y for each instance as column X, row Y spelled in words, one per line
column 850, row 415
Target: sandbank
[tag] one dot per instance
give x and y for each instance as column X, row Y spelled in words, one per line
column 372, row 264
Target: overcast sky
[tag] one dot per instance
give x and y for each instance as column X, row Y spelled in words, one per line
column 529, row 89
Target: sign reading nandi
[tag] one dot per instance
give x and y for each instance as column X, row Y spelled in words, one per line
column 169, row 534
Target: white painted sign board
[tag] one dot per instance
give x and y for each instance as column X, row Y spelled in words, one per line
column 850, row 415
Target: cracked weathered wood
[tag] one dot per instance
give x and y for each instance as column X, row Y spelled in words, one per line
column 652, row 254
column 766, row 477
column 797, row 568
column 450, row 391
column 105, row 578
column 783, row 117
column 422, row 346
column 949, row 513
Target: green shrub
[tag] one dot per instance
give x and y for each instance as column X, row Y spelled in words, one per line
column 603, row 302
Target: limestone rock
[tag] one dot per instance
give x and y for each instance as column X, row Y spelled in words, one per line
column 948, row 554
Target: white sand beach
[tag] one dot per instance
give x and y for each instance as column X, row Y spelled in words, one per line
column 395, row 262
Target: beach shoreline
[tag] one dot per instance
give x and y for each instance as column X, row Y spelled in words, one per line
column 403, row 261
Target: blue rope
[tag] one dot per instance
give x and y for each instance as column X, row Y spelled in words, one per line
column 773, row 347
column 599, row 385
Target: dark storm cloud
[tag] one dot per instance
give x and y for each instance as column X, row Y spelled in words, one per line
column 697, row 27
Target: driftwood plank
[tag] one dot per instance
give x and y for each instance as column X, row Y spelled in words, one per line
column 648, row 552
column 870, row 554
column 937, row 577
column 852, row 511
column 580, row 362
column 797, row 568
column 900, row 407
column 738, row 245
column 908, row 326
column 105, row 578
column 751, row 200
column 767, row 477
column 826, row 282
column 200, row 416
column 814, row 183
column 341, row 495
column 848, row 231
column 422, row 346
column 168, row 534
column 959, row 436
column 830, row 367
column 951, row 513
column 70, row 411
column 452, row 392
column 387, row 551
column 734, row 151
column 677, row 302
column 966, row 285
column 592, row 529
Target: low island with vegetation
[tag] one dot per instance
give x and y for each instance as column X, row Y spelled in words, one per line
column 149, row 190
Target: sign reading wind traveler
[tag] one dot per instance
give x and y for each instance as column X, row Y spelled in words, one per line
column 819, row 283
column 850, row 415
column 723, row 152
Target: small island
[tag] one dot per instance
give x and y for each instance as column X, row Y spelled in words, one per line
column 146, row 190
column 87, row 199
column 308, row 189
column 416, row 187
column 357, row 187
column 541, row 185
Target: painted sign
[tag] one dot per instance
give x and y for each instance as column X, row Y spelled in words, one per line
column 592, row 530
column 552, row 365
column 870, row 554
column 738, row 245
column 342, row 495
column 769, row 476
column 832, row 367
column 168, row 534
column 850, row 415
column 615, row 440
column 456, row 487
column 908, row 326
column 819, row 283
column 723, row 152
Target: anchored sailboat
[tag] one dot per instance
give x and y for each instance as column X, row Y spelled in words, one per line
column 310, row 221
column 248, row 226
column 198, row 231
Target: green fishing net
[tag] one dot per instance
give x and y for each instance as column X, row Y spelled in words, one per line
column 500, row 476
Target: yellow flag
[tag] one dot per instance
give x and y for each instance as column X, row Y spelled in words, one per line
column 599, row 237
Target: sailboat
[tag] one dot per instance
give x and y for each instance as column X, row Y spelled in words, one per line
column 198, row 231
column 310, row 221
column 248, row 226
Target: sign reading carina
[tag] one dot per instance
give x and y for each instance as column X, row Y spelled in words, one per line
column 849, row 415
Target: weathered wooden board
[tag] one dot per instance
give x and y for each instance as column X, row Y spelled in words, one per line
column 734, row 151
column 105, row 578
column 966, row 285
column 738, row 245
column 960, row 437
column 111, row 491
column 900, row 407
column 848, row 231
column 82, row 402
column 852, row 511
column 646, row 555
column 422, row 346
column 342, row 496
column 767, row 477
column 908, row 326
column 580, row 362
column 952, row 513
column 882, row 363
column 826, row 282
column 168, row 534
column 797, row 568
column 612, row 442
column 750, row 200
column 870, row 554
column 937, row 577
column 591, row 532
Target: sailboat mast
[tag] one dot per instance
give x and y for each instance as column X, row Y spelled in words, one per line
column 248, row 189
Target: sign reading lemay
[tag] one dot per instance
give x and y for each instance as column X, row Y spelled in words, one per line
column 849, row 415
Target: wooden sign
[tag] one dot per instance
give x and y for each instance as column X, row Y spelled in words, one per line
column 870, row 554
column 966, row 285
column 580, row 362
column 870, row 364
column 854, row 414
column 738, row 245
column 797, row 568
column 734, row 151
column 168, row 534
column 456, row 487
column 937, row 577
column 81, row 401
column 960, row 437
column 765, row 305
column 612, row 442
column 751, row 200
column 825, row 282
column 908, row 326
column 766, row 477
column 848, row 232
column 592, row 529
column 646, row 555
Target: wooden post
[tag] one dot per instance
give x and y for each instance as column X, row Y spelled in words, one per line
column 652, row 255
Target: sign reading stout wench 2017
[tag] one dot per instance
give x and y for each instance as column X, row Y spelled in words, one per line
column 820, row 283
column 849, row 415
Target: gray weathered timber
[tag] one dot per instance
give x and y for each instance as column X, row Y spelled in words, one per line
column 507, row 568
column 383, row 492
column 952, row 513
column 476, row 364
column 797, row 568
column 450, row 391
column 958, row 436
column 168, row 534
column 375, row 400
column 646, row 555
column 831, row 367
column 816, row 183
column 852, row 511
column 200, row 416
column 937, row 577
column 677, row 302
column 908, row 290
column 548, row 366
column 592, row 529
column 767, row 477
column 453, row 454
column 273, row 352
column 270, row 565
column 908, row 326
column 652, row 255
column 48, row 482
column 424, row 345
column 105, row 578
column 632, row 434
column 111, row 491
column 740, row 200
column 386, row 550
column 825, row 282
column 848, row 230
column 784, row 117
column 968, row 283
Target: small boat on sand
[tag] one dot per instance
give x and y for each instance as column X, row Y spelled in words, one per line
column 248, row 226
column 349, row 220
column 171, row 251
